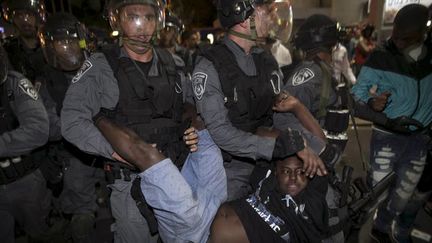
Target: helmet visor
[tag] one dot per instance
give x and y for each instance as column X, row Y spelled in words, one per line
column 274, row 19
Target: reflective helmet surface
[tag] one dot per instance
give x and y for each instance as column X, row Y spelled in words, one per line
column 62, row 39
column 273, row 16
column 316, row 32
column 172, row 21
column 10, row 7
column 114, row 7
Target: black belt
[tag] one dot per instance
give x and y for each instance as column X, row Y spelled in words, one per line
column 12, row 169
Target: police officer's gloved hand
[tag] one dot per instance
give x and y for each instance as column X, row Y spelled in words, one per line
column 288, row 143
column 330, row 155
column 102, row 113
column 402, row 124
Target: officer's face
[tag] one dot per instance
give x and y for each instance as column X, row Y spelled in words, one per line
column 290, row 176
column 138, row 22
column 68, row 54
column 168, row 37
column 25, row 22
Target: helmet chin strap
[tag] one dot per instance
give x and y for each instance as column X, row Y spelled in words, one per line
column 253, row 36
column 142, row 47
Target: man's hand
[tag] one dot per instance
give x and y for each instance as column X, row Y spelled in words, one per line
column 379, row 102
column 312, row 164
column 191, row 139
column 285, row 102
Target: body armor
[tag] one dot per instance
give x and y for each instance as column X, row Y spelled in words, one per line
column 249, row 99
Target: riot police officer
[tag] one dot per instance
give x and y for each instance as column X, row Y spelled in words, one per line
column 62, row 38
column 312, row 80
column 138, row 86
column 234, row 84
column 24, row 198
column 26, row 16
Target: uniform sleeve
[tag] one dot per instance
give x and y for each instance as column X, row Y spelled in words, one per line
column 93, row 88
column 305, row 86
column 209, row 100
column 33, row 121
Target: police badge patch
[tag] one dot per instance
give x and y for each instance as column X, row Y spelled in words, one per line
column 199, row 80
column 27, row 87
column 302, row 76
column 84, row 68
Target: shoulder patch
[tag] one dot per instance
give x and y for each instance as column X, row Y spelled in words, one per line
column 84, row 68
column 302, row 76
column 199, row 80
column 27, row 87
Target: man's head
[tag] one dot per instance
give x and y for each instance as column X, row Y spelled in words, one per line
column 170, row 33
column 138, row 22
column 409, row 26
column 25, row 15
column 191, row 39
column 260, row 19
column 60, row 39
column 317, row 36
column 290, row 176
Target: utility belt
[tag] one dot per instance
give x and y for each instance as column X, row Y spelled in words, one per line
column 117, row 170
column 12, row 169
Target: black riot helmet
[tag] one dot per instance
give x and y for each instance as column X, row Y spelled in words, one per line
column 172, row 21
column 10, row 8
column 272, row 17
column 318, row 32
column 62, row 39
column 114, row 7
column 4, row 65
column 135, row 36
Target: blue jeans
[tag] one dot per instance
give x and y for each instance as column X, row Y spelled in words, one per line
column 186, row 202
column 406, row 155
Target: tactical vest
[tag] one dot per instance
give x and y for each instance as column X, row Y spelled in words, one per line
column 148, row 105
column 57, row 84
column 8, row 120
column 28, row 62
column 249, row 99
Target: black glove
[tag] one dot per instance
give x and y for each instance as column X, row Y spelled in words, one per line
column 103, row 113
column 288, row 143
column 401, row 124
column 330, row 155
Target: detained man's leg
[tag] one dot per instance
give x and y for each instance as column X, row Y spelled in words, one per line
column 183, row 208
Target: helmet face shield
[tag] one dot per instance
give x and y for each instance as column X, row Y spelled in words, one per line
column 69, row 55
column 138, row 21
column 60, row 42
column 274, row 19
